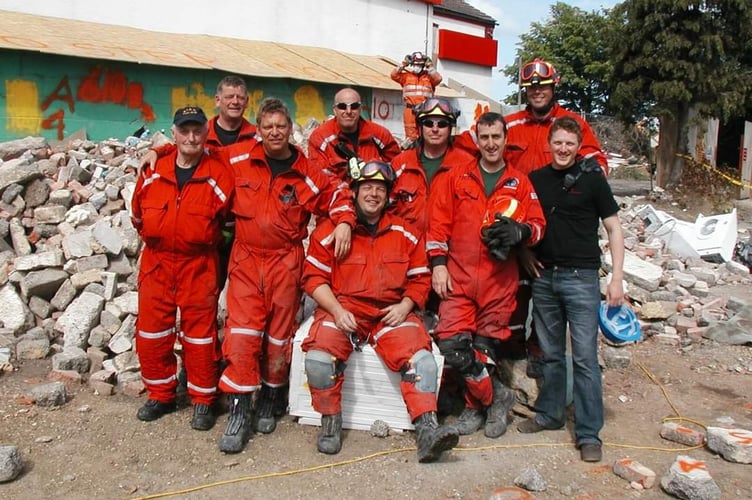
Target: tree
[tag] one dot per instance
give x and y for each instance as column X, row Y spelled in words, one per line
column 572, row 40
column 675, row 55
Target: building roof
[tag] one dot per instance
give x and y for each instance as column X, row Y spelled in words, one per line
column 463, row 10
column 67, row 37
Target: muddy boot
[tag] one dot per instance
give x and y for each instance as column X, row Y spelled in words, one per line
column 269, row 401
column 238, row 424
column 330, row 436
column 434, row 439
column 498, row 413
column 469, row 421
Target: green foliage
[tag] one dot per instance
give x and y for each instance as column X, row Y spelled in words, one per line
column 676, row 54
column 574, row 42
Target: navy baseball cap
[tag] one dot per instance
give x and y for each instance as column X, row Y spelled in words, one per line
column 189, row 114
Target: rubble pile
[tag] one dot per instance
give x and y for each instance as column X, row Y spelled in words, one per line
column 68, row 261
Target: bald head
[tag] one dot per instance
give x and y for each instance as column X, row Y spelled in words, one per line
column 347, row 109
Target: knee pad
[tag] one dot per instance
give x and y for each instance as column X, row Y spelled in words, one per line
column 487, row 347
column 422, row 371
column 458, row 353
column 321, row 369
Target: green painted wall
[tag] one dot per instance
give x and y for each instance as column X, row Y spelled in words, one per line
column 53, row 96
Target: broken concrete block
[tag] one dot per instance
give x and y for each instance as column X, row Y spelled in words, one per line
column 673, row 431
column 689, row 479
column 734, row 445
column 635, row 472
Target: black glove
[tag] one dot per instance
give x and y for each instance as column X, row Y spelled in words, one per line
column 512, row 232
column 496, row 247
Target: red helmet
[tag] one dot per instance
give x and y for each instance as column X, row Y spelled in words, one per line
column 502, row 205
column 418, row 58
column 538, row 72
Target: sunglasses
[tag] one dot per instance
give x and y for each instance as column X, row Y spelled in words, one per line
column 435, row 123
column 537, row 68
column 374, row 168
column 344, row 105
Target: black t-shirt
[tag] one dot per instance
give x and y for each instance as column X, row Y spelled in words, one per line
column 572, row 215
column 280, row 166
column 183, row 175
column 226, row 136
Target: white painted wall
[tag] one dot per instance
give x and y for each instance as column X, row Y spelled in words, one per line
column 390, row 28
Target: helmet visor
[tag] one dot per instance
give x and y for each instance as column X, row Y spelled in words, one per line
column 541, row 68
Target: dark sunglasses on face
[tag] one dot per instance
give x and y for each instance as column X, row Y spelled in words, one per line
column 344, row 105
column 435, row 123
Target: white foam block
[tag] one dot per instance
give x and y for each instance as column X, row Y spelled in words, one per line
column 371, row 391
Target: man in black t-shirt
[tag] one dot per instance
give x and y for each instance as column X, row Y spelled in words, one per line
column 566, row 293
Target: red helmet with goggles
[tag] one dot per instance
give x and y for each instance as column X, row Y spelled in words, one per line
column 538, row 72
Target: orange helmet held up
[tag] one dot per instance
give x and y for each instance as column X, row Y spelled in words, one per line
column 502, row 206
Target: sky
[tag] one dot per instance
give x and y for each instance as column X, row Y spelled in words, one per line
column 513, row 18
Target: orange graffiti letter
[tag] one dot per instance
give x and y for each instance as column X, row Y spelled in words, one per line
column 57, row 95
column 58, row 117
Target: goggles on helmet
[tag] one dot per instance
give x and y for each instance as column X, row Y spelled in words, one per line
column 373, row 171
column 538, row 72
column 436, row 107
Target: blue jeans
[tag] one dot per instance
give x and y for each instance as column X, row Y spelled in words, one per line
column 561, row 297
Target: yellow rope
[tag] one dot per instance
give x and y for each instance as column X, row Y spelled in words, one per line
column 342, row 463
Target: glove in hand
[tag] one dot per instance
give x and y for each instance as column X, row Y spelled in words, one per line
column 511, row 232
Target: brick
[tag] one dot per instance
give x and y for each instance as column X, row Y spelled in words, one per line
column 634, row 472
column 678, row 433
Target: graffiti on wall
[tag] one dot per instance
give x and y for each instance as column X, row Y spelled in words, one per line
column 53, row 97
column 26, row 114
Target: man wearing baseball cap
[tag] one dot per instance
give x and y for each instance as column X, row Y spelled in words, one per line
column 179, row 208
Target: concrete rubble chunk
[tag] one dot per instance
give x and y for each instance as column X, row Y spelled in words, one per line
column 10, row 461
column 71, row 358
column 128, row 302
column 43, row 283
column 634, row 472
column 62, row 197
column 64, row 295
column 98, row 261
column 18, row 171
column 32, row 348
column 81, row 280
column 640, row 272
column 40, row 260
column 52, row 394
column 49, row 214
column 122, row 341
column 79, row 318
column 531, row 480
column 16, row 147
column 734, row 445
column 78, row 244
column 674, row 431
column 689, row 479
column 14, row 313
column 21, row 244
column 107, row 237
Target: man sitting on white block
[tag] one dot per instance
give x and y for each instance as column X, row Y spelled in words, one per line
column 369, row 297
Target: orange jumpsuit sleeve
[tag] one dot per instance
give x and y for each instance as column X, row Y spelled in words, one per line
column 440, row 217
column 419, row 275
column 317, row 268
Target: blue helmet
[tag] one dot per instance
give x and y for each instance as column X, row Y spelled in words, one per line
column 619, row 324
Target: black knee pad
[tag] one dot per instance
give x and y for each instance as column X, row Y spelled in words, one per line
column 458, row 353
column 487, row 346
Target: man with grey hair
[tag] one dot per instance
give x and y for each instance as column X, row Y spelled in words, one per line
column 277, row 190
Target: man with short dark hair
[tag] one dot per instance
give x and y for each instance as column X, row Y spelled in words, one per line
column 575, row 197
column 179, row 207
column 229, row 125
column 475, row 273
column 363, row 138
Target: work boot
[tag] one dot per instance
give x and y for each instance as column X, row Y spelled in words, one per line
column 434, row 439
column 269, row 405
column 154, row 409
column 498, row 413
column 238, row 424
column 469, row 421
column 203, row 417
column 330, row 436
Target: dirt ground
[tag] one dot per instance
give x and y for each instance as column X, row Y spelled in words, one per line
column 94, row 447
